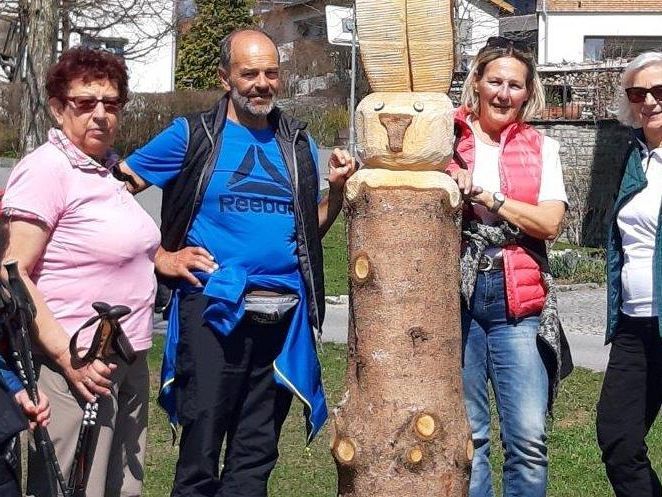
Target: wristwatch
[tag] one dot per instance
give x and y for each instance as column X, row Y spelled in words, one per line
column 498, row 200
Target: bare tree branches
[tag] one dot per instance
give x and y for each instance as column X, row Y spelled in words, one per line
column 142, row 23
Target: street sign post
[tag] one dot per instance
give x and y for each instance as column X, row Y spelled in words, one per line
column 341, row 30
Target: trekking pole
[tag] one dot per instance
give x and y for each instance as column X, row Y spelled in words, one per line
column 19, row 324
column 108, row 337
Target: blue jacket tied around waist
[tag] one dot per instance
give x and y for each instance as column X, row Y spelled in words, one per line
column 296, row 368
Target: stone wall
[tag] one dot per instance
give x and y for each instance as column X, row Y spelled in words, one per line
column 592, row 154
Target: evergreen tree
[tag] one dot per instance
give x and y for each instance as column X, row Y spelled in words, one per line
column 198, row 51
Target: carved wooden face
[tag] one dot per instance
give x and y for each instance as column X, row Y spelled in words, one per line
column 408, row 131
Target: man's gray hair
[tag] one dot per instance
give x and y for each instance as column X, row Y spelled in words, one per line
column 226, row 45
column 624, row 110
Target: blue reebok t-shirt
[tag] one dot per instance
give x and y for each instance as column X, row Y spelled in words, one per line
column 246, row 218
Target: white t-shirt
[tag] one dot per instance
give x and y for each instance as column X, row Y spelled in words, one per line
column 637, row 222
column 486, row 174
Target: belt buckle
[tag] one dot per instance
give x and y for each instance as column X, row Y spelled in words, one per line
column 488, row 263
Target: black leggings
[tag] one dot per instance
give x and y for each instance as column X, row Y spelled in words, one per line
column 629, row 403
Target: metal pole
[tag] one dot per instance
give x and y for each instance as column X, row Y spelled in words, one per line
column 352, row 90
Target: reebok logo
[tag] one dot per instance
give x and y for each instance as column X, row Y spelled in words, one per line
column 233, row 203
column 242, row 182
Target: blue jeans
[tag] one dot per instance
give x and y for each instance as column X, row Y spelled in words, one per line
column 504, row 351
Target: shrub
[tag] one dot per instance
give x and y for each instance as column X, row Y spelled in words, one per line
column 148, row 113
column 575, row 266
column 325, row 124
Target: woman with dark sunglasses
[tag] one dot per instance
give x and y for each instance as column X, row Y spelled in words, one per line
column 80, row 237
column 632, row 390
column 515, row 199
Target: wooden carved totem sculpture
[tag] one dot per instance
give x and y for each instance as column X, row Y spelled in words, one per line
column 401, row 428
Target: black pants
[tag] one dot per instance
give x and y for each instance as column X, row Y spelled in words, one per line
column 225, row 389
column 629, row 403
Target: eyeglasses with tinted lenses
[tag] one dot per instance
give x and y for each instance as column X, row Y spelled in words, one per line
column 636, row 94
column 507, row 43
column 86, row 103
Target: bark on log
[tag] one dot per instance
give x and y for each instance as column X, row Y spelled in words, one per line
column 402, row 419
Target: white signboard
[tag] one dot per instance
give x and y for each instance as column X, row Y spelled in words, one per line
column 339, row 22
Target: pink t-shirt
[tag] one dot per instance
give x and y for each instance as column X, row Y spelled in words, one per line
column 102, row 243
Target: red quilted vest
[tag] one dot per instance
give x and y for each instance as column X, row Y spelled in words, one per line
column 520, row 168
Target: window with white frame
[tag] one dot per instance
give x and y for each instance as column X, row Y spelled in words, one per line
column 598, row 48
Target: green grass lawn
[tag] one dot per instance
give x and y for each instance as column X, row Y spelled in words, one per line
column 335, row 259
column 575, row 467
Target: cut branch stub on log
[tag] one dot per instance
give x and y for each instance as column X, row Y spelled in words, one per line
column 425, row 426
column 470, row 449
column 344, row 451
column 405, row 131
column 361, row 268
column 415, row 455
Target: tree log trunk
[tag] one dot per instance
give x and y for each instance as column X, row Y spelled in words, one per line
column 401, row 428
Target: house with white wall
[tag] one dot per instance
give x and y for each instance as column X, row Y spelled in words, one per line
column 575, row 31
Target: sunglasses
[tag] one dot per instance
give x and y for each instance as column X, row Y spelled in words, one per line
column 89, row 103
column 507, row 44
column 636, row 94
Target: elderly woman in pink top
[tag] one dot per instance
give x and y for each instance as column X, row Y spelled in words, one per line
column 80, row 237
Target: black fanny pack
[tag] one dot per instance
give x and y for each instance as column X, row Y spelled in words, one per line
column 269, row 309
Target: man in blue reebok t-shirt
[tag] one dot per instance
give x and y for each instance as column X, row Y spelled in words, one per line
column 242, row 222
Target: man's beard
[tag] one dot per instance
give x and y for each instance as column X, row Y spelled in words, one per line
column 248, row 107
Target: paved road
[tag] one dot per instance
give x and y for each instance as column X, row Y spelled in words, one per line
column 583, row 315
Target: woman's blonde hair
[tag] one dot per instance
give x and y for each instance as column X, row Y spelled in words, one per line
column 624, row 109
column 534, row 105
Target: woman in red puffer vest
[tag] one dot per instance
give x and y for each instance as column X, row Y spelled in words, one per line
column 512, row 180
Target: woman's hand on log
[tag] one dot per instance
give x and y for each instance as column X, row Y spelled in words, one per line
column 37, row 415
column 465, row 183
column 341, row 166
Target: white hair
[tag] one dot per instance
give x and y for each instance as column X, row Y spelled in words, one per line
column 624, row 110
